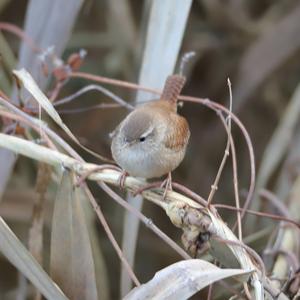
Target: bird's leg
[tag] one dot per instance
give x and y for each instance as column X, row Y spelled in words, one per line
column 167, row 184
column 148, row 186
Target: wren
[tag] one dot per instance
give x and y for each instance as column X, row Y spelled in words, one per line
column 152, row 140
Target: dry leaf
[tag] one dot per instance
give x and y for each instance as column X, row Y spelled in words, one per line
column 17, row 254
column 182, row 280
column 35, row 240
column 71, row 262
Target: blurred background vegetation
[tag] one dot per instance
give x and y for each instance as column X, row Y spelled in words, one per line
column 256, row 43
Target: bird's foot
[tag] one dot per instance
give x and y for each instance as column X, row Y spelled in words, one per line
column 149, row 186
column 166, row 184
column 122, row 179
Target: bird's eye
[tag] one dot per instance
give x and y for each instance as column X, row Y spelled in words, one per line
column 142, row 139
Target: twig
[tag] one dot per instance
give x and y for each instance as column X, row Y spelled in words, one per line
column 21, row 34
column 85, row 109
column 217, row 227
column 189, row 193
column 230, row 144
column 3, row 95
column 92, row 87
column 209, row 294
column 38, row 123
column 214, row 106
column 277, row 203
column 112, row 239
column 116, row 82
column 214, row 187
column 260, row 214
column 36, row 128
column 234, row 164
column 148, row 222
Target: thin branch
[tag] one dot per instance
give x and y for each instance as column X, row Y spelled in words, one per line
column 148, row 222
column 3, row 95
column 260, row 214
column 20, row 34
column 115, row 82
column 111, row 237
column 235, row 181
column 37, row 122
column 33, row 126
column 229, row 144
column 276, row 202
column 209, row 293
column 189, row 193
column 214, row 187
column 213, row 105
column 92, row 87
column 85, row 109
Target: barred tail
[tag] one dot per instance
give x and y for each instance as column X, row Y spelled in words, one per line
column 172, row 88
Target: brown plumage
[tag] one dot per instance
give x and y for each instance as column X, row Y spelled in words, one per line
column 172, row 88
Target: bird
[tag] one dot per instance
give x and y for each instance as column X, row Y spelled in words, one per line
column 152, row 139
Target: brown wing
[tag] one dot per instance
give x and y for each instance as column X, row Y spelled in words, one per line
column 179, row 133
